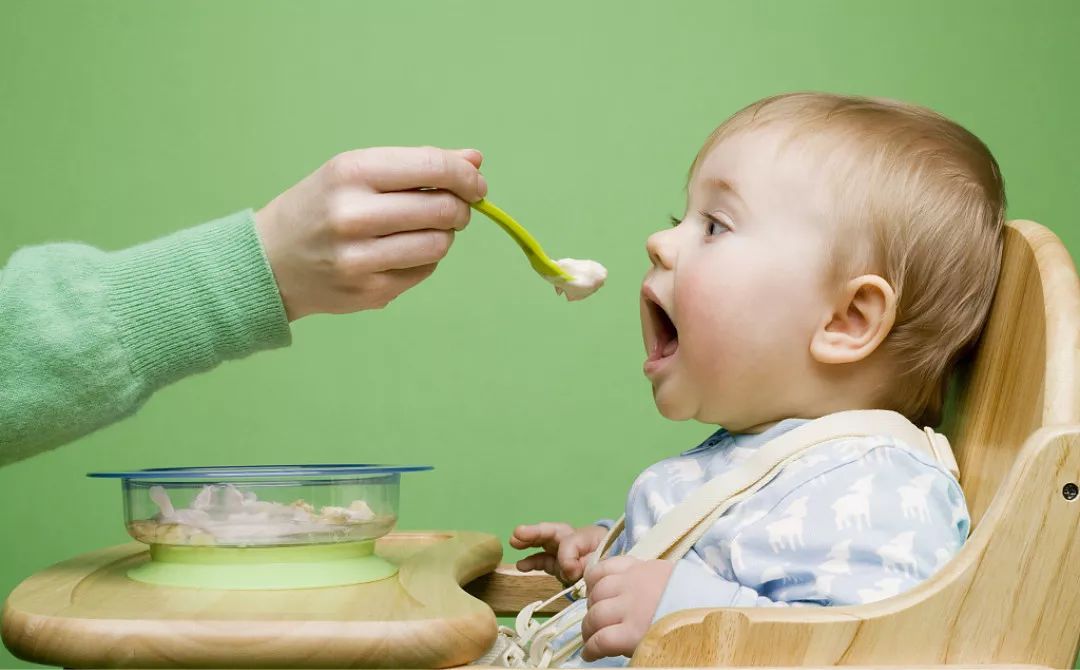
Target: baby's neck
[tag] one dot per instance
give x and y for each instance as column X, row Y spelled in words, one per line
column 810, row 414
column 820, row 395
column 759, row 428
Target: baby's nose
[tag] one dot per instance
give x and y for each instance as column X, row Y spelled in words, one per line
column 660, row 249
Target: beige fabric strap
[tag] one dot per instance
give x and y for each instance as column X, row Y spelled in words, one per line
column 678, row 530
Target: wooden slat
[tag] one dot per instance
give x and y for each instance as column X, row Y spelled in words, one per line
column 507, row 590
column 1024, row 374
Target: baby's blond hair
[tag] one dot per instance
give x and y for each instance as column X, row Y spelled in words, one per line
column 925, row 202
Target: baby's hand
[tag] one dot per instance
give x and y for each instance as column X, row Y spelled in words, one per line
column 623, row 595
column 564, row 549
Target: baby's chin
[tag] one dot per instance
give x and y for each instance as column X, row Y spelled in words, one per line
column 680, row 407
column 673, row 405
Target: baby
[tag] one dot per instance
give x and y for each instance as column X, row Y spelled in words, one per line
column 837, row 253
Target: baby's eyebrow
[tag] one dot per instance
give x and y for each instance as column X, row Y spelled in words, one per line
column 726, row 187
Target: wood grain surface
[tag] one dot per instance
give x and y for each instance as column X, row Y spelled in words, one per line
column 86, row 613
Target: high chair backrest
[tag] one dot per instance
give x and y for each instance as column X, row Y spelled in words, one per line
column 1025, row 370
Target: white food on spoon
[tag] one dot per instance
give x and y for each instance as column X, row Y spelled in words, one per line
column 586, row 278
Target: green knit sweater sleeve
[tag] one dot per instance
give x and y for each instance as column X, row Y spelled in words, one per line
column 87, row 336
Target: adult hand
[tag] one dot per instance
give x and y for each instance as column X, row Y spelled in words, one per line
column 357, row 232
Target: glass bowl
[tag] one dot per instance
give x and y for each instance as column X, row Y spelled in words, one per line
column 268, row 526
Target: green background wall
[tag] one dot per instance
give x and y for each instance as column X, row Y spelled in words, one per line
column 122, row 121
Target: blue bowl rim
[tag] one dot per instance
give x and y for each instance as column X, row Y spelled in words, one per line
column 229, row 472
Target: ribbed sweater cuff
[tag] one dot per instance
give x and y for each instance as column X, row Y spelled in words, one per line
column 186, row 302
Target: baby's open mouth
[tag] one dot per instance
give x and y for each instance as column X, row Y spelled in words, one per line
column 661, row 335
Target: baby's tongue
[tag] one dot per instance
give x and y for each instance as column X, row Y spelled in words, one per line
column 670, row 348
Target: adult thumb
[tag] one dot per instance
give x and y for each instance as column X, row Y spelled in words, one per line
column 473, row 156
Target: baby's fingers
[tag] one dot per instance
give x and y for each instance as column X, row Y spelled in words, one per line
column 541, row 561
column 606, row 632
column 547, row 535
column 614, row 640
column 571, row 568
column 572, row 554
column 611, row 566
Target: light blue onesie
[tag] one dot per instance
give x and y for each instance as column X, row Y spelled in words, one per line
column 853, row 521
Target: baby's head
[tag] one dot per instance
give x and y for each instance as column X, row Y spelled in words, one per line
column 836, row 253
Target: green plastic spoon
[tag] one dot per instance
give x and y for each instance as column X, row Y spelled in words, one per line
column 544, row 266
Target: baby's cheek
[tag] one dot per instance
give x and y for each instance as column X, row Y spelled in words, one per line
column 734, row 319
column 713, row 325
column 781, row 295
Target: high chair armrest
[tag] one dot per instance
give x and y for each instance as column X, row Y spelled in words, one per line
column 754, row 636
column 507, row 590
column 1010, row 596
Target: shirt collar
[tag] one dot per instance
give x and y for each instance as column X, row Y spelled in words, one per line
column 746, row 440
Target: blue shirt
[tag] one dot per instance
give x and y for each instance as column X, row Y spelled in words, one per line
column 852, row 521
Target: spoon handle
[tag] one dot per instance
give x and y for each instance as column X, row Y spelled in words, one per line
column 539, row 261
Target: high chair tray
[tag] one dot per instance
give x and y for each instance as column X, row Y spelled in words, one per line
column 85, row 612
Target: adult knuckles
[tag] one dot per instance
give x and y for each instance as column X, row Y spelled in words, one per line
column 358, row 166
column 342, row 216
column 345, row 167
column 462, row 175
column 352, row 265
column 433, row 160
column 436, row 244
column 450, row 211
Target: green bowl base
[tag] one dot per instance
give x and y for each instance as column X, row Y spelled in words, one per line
column 263, row 568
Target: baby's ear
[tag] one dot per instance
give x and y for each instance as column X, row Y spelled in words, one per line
column 859, row 321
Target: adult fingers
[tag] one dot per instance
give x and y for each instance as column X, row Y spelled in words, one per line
column 387, row 169
column 399, row 251
column 403, row 280
column 377, row 290
column 472, row 155
column 354, row 213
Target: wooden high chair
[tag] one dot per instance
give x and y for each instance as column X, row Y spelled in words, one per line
column 1012, row 594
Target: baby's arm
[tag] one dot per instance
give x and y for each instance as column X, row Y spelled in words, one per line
column 844, row 530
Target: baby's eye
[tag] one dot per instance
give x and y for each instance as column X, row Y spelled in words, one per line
column 714, row 225
column 675, row 221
